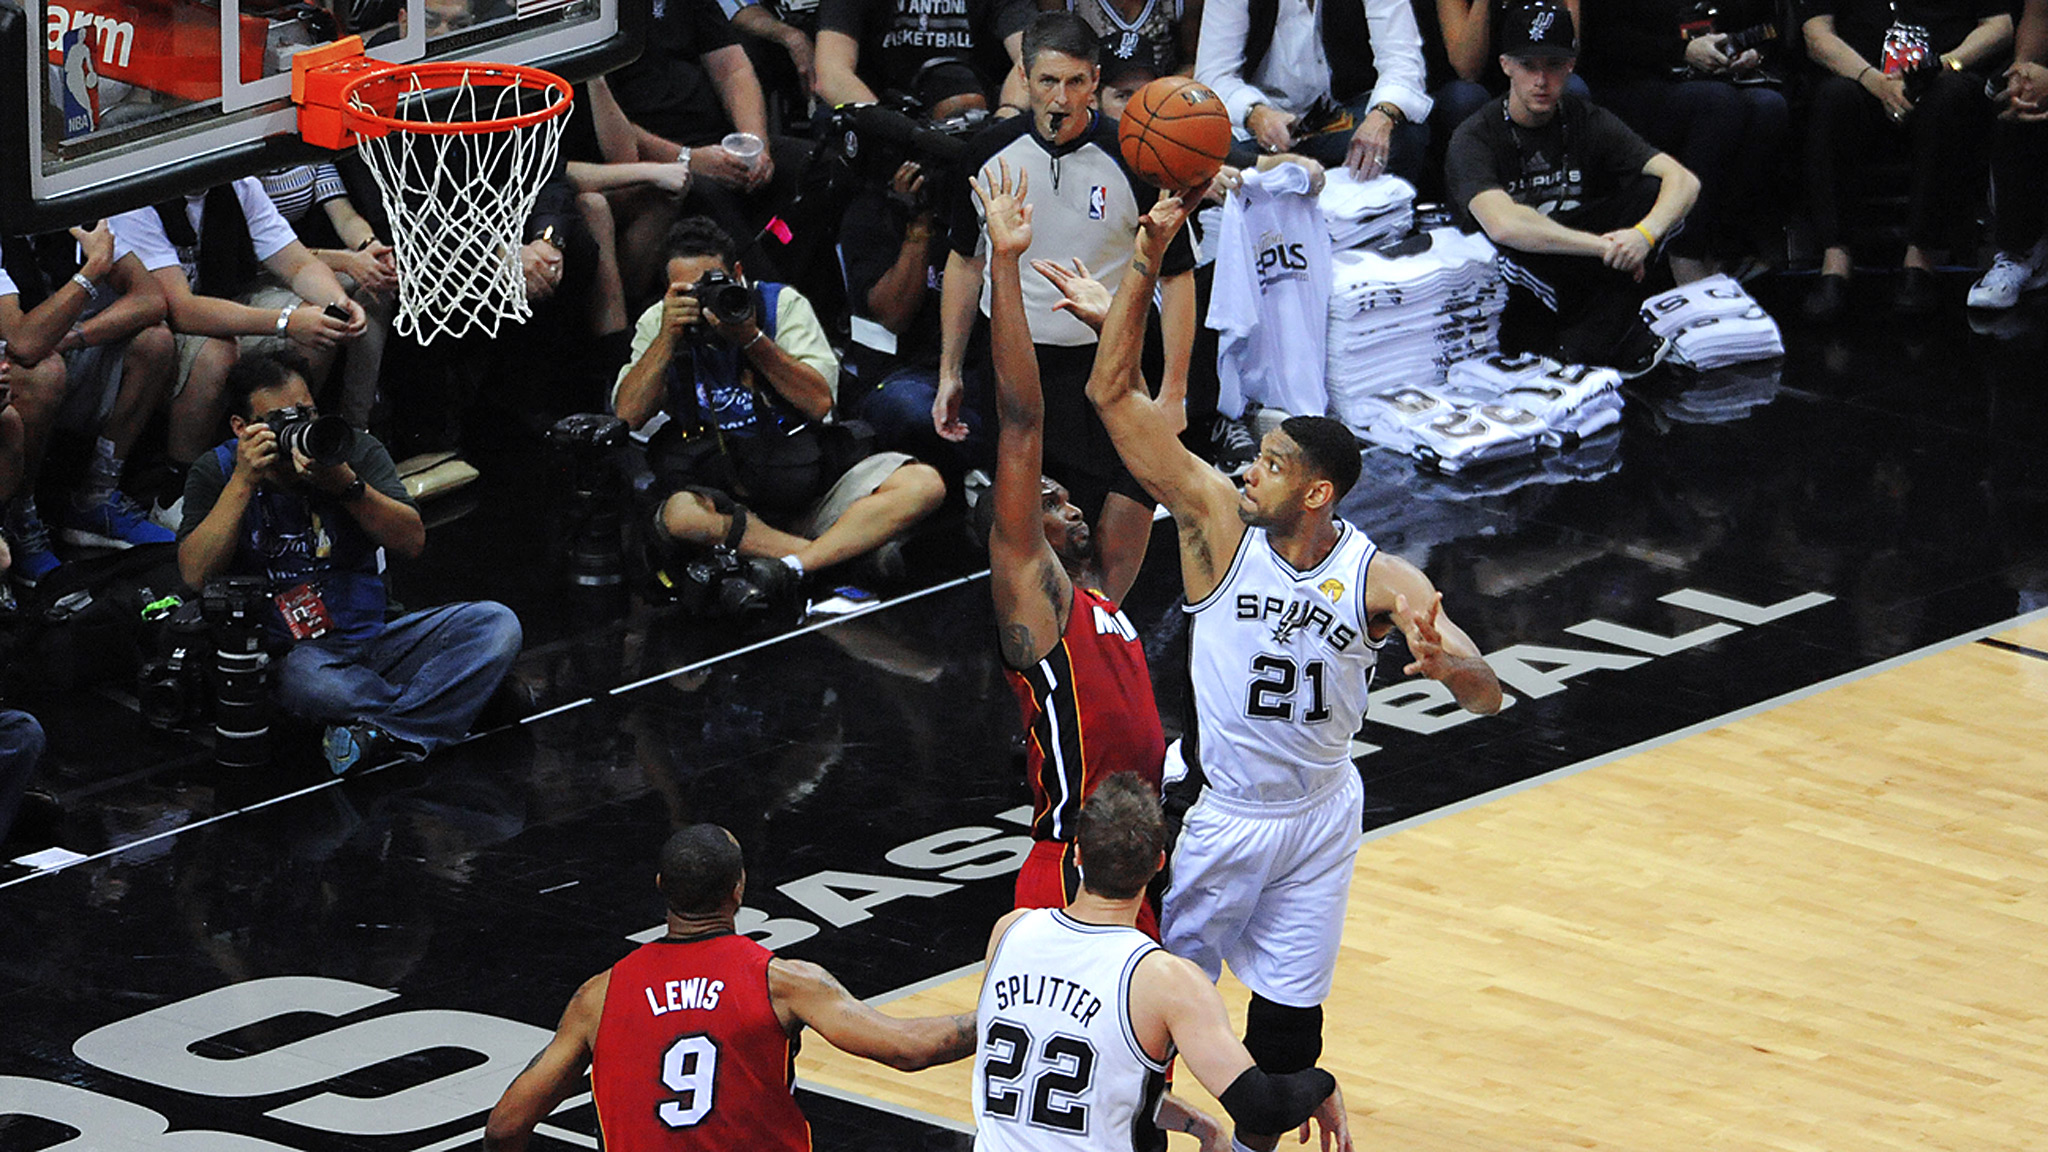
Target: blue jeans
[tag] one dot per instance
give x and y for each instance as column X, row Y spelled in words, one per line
column 423, row 679
column 900, row 411
column 21, row 748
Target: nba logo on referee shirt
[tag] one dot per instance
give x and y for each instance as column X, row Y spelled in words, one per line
column 1098, row 202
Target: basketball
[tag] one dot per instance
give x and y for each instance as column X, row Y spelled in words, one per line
column 1174, row 133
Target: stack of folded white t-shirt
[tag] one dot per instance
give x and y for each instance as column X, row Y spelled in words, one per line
column 1713, row 323
column 1492, row 409
column 1400, row 320
column 1361, row 212
column 1573, row 401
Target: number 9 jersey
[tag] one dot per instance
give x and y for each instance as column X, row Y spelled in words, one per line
column 690, row 1055
column 1281, row 664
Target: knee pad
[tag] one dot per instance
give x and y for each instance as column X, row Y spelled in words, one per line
column 1283, row 1039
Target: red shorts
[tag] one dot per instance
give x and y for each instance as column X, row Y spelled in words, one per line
column 1049, row 880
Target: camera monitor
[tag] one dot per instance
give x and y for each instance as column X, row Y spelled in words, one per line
column 125, row 103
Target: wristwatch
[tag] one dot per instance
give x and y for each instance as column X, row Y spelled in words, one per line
column 1391, row 111
column 355, row 491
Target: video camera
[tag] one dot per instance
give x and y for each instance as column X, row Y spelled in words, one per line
column 874, row 140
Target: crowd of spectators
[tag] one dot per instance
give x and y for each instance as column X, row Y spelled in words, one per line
column 1602, row 145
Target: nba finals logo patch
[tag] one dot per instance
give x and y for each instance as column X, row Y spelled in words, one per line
column 1333, row 588
column 1098, row 202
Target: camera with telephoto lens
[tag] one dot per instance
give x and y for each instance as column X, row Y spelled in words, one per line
column 874, row 140
column 719, row 295
column 325, row 440
column 753, row 591
column 235, row 608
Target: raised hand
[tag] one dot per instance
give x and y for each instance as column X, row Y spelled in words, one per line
column 1425, row 642
column 1086, row 297
column 1157, row 226
column 1007, row 216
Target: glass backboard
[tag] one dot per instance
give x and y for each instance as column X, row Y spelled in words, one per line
column 130, row 102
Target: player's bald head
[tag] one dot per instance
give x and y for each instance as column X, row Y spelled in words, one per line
column 700, row 866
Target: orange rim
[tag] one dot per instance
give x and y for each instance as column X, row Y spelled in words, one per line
column 364, row 98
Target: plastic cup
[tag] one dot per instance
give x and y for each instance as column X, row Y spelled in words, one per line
column 745, row 146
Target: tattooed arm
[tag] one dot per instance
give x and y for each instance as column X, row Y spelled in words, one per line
column 806, row 994
column 552, row 1076
column 1204, row 504
column 1032, row 592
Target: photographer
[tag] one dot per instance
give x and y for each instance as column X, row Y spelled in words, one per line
column 894, row 251
column 261, row 505
column 737, row 381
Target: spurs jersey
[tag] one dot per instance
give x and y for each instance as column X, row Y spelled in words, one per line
column 1280, row 663
column 1088, row 712
column 1059, row 1067
column 690, row 1055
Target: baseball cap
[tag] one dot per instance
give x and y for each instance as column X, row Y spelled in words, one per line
column 1538, row 30
column 1124, row 58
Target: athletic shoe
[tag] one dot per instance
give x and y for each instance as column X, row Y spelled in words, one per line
column 1640, row 351
column 2001, row 286
column 33, row 558
column 115, row 522
column 1827, row 300
column 348, row 747
column 168, row 516
column 1917, row 294
column 1231, row 447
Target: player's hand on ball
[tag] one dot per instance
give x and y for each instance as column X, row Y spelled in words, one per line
column 1086, row 297
column 1008, row 217
column 1169, row 212
column 1425, row 643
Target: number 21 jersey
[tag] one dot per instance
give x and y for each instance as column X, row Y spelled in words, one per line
column 1281, row 664
column 689, row 1053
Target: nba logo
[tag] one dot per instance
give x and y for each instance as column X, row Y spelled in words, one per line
column 1098, row 202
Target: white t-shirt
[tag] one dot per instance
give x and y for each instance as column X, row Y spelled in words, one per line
column 143, row 232
column 1271, row 300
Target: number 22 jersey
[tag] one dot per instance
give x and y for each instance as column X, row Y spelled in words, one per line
column 689, row 1053
column 1281, row 664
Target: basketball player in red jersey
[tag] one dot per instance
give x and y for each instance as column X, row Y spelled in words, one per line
column 1075, row 662
column 691, row 1040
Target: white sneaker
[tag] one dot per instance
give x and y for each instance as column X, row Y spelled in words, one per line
column 167, row 516
column 2001, row 286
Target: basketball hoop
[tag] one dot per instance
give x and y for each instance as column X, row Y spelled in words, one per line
column 459, row 150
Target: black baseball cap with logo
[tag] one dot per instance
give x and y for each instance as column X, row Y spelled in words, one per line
column 1539, row 30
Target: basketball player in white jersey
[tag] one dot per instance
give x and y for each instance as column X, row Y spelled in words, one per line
column 1288, row 607
column 1080, row 1012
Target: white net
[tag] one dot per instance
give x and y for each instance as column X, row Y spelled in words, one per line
column 459, row 202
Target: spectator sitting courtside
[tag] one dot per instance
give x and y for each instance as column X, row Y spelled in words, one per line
column 1577, row 204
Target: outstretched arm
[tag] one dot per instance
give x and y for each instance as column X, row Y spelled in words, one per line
column 1170, row 995
column 1203, row 502
column 553, row 1076
column 807, row 994
column 1032, row 592
column 1398, row 593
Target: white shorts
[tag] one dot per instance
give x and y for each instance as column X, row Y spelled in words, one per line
column 1263, row 888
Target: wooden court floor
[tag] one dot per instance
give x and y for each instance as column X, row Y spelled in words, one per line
column 1821, row 926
